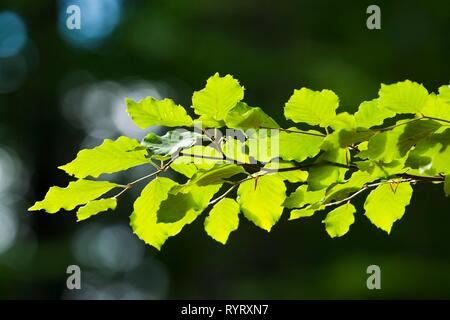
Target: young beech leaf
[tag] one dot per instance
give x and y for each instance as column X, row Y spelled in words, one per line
column 339, row 220
column 341, row 190
column 294, row 176
column 393, row 144
column 370, row 114
column 299, row 146
column 444, row 93
column 244, row 117
column 383, row 206
column 403, row 97
column 76, row 193
column 236, row 150
column 144, row 219
column 437, row 107
column 171, row 142
column 307, row 211
column 197, row 158
column 183, row 200
column 324, row 175
column 222, row 220
column 312, row 107
column 378, row 169
column 261, row 200
column 96, row 206
column 343, row 138
column 261, row 146
column 220, row 95
column 432, row 155
column 208, row 122
column 302, row 197
column 150, row 112
column 110, row 156
column 216, row 175
column 343, row 120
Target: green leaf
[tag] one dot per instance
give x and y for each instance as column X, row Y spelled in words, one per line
column 185, row 199
column 222, row 220
column 403, row 97
column 299, row 146
column 197, row 158
column 308, row 211
column 302, row 197
column 220, row 95
column 170, row 143
column 292, row 176
column 344, row 120
column 342, row 190
column 432, row 155
column 186, row 169
column 370, row 114
column 76, row 193
column 339, row 220
column 150, row 112
column 437, row 107
column 378, row 169
column 261, row 145
column 175, row 207
column 110, row 156
column 216, row 175
column 324, row 175
column 144, row 218
column 244, row 117
column 261, row 200
column 344, row 138
column 236, row 150
column 203, row 122
column 96, row 206
column 312, row 107
column 447, row 185
column 384, row 206
column 393, row 144
column 444, row 93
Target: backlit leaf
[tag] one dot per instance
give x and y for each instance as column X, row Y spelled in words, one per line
column 261, row 200
column 403, row 97
column 144, row 217
column 299, row 146
column 170, row 143
column 220, row 95
column 312, row 107
column 222, row 220
column 150, row 112
column 76, row 193
column 339, row 220
column 383, row 206
column 96, row 206
column 370, row 114
column 302, row 197
column 244, row 117
column 110, row 156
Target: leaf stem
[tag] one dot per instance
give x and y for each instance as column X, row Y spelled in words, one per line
column 365, row 187
column 399, row 124
column 234, row 186
column 437, row 119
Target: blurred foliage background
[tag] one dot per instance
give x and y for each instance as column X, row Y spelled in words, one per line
column 61, row 90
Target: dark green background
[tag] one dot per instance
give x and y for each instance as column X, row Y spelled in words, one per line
column 272, row 47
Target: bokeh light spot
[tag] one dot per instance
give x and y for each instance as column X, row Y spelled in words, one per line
column 99, row 18
column 13, row 34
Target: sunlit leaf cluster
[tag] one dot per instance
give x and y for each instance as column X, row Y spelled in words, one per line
column 324, row 162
